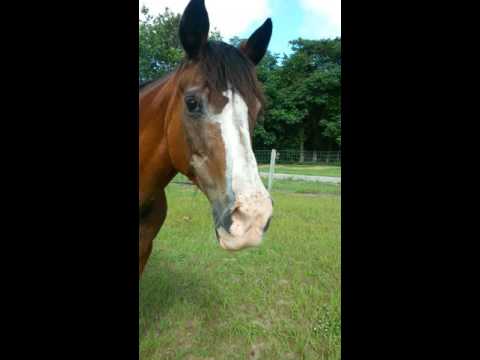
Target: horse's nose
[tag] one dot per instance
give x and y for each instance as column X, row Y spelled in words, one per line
column 244, row 225
column 265, row 229
column 224, row 221
column 225, row 218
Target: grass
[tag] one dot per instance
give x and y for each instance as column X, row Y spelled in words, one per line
column 291, row 186
column 303, row 187
column 279, row 301
column 316, row 170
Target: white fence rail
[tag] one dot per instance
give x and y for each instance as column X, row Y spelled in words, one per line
column 334, row 179
column 300, row 157
column 290, row 176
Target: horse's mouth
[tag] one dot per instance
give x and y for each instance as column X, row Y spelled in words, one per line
column 252, row 237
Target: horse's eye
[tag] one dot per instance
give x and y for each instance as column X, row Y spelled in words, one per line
column 193, row 105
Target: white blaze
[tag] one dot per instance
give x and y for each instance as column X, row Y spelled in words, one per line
column 242, row 171
column 252, row 204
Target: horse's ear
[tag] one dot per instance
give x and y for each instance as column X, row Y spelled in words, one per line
column 194, row 27
column 257, row 44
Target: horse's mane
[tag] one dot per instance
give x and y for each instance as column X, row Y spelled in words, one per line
column 142, row 85
column 223, row 65
column 161, row 80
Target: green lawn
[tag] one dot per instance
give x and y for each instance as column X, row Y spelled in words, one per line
column 316, row 170
column 292, row 186
column 303, row 187
column 279, row 301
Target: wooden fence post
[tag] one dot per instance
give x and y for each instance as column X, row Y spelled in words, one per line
column 273, row 157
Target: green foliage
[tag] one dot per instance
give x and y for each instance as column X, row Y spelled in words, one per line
column 303, row 90
column 159, row 46
column 304, row 97
column 281, row 300
column 160, row 50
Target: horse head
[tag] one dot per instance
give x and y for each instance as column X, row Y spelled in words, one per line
column 210, row 123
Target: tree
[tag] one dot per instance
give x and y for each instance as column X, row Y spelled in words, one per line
column 302, row 90
column 160, row 50
column 303, row 110
column 159, row 45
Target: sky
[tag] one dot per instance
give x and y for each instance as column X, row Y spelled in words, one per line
column 309, row 19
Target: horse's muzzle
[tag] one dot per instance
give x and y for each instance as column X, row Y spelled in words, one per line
column 244, row 225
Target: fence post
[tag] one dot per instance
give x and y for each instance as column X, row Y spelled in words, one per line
column 273, row 156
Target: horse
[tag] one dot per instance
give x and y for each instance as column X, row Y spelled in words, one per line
column 199, row 121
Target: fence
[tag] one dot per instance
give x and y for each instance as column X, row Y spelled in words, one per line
column 289, row 177
column 300, row 157
column 293, row 178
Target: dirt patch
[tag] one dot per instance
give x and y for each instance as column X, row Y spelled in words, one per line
column 255, row 352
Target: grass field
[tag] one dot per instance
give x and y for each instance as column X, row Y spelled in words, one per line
column 304, row 187
column 279, row 301
column 297, row 186
column 316, row 170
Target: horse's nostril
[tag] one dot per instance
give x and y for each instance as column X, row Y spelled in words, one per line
column 268, row 224
column 237, row 213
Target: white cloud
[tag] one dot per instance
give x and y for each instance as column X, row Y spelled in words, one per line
column 328, row 8
column 229, row 17
column 323, row 18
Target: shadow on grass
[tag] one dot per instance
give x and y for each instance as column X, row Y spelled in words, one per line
column 167, row 287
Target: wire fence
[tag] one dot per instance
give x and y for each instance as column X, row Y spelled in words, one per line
column 293, row 171
column 300, row 157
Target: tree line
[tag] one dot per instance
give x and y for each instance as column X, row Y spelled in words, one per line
column 302, row 90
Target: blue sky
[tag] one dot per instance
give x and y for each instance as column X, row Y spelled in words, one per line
column 310, row 19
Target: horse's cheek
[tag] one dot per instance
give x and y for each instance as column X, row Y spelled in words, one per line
column 177, row 145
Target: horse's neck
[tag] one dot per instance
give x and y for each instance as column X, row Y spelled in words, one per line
column 155, row 166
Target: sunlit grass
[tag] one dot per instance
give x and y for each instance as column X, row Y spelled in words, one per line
column 280, row 301
column 315, row 170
